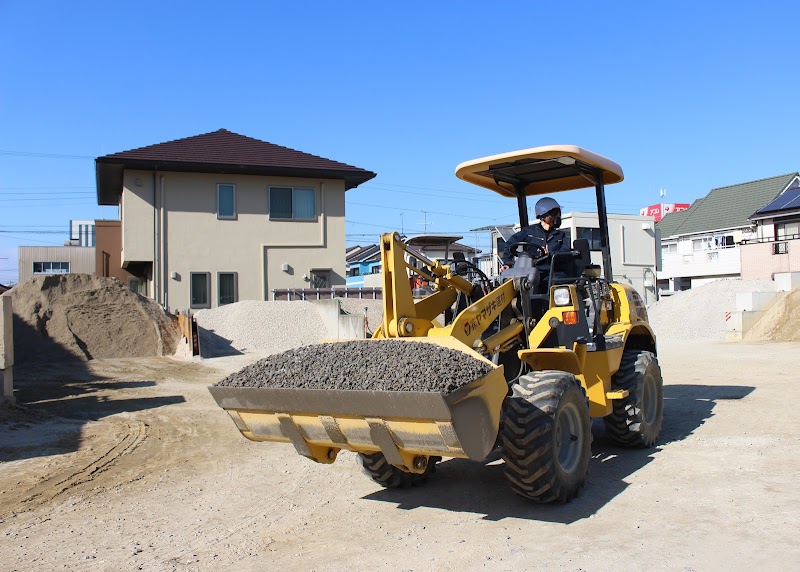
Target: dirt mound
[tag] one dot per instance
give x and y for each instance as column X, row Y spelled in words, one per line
column 85, row 316
column 781, row 323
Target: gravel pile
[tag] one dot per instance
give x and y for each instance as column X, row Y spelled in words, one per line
column 258, row 327
column 699, row 313
column 378, row 365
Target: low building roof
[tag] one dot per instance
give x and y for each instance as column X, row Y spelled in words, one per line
column 219, row 152
column 4, row 288
column 724, row 208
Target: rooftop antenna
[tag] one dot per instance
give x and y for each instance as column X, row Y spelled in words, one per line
column 426, row 223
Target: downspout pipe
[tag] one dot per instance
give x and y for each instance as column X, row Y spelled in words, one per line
column 156, row 277
column 162, row 246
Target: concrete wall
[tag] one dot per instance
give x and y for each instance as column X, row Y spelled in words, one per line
column 6, row 349
column 250, row 245
column 759, row 263
column 81, row 259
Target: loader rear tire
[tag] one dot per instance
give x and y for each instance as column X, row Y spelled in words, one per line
column 636, row 419
column 547, row 436
column 379, row 470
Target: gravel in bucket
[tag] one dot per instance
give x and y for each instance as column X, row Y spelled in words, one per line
column 376, row 365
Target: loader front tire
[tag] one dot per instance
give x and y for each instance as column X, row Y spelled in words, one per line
column 547, row 436
column 636, row 419
column 379, row 470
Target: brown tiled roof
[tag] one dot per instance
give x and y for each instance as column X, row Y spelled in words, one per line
column 220, row 152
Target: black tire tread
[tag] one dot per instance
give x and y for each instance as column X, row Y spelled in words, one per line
column 527, row 437
column 379, row 470
column 625, row 425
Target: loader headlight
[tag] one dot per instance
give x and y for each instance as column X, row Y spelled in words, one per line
column 561, row 297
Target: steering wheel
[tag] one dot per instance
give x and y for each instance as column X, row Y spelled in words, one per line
column 541, row 255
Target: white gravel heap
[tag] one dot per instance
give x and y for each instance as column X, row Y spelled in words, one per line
column 699, row 313
column 259, row 327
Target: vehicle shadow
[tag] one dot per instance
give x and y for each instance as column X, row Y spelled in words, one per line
column 481, row 488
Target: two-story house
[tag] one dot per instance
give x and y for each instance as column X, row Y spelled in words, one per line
column 220, row 217
column 702, row 244
column 776, row 247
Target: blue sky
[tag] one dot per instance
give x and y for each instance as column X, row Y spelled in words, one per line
column 684, row 96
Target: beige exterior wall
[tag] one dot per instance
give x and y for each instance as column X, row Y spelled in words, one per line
column 81, row 259
column 137, row 210
column 759, row 262
column 250, row 245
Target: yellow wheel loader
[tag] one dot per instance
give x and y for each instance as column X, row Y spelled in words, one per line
column 540, row 363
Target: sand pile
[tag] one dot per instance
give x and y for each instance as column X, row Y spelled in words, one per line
column 88, row 317
column 781, row 323
column 699, row 313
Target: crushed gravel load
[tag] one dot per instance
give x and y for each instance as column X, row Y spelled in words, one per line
column 699, row 313
column 87, row 317
column 259, row 327
column 377, row 365
column 781, row 323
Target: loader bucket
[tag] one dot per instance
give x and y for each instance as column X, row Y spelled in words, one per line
column 403, row 425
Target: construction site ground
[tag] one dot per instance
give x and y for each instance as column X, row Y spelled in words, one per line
column 128, row 464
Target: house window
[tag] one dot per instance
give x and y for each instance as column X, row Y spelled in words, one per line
column 226, row 201
column 787, row 230
column 375, row 269
column 227, row 287
column 51, row 267
column 288, row 203
column 697, row 244
column 669, row 248
column 200, row 284
column 780, row 248
column 320, row 279
column 592, row 235
column 354, row 271
column 137, row 285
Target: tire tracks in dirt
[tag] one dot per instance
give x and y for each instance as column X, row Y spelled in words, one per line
column 135, row 434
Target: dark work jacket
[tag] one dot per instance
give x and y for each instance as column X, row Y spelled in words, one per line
column 555, row 239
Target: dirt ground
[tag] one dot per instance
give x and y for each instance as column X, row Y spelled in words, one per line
column 128, row 464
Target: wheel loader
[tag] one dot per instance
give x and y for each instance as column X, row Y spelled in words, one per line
column 556, row 357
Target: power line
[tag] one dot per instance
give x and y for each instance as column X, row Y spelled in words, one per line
column 36, row 155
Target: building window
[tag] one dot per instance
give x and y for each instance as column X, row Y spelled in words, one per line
column 320, row 279
column 356, row 271
column 697, row 244
column 200, row 284
column 288, row 203
column 137, row 285
column 227, row 283
column 375, row 269
column 226, row 201
column 780, row 248
column 669, row 248
column 51, row 267
column 787, row 230
column 592, row 235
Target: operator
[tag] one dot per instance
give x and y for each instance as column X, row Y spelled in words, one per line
column 543, row 238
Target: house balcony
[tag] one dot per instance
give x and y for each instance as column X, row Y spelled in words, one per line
column 717, row 262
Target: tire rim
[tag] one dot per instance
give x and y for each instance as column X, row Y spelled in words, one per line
column 569, row 438
column 649, row 401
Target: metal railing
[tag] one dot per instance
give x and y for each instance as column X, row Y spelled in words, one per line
column 373, row 293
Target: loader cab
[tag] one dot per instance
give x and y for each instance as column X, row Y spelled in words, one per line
column 546, row 171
